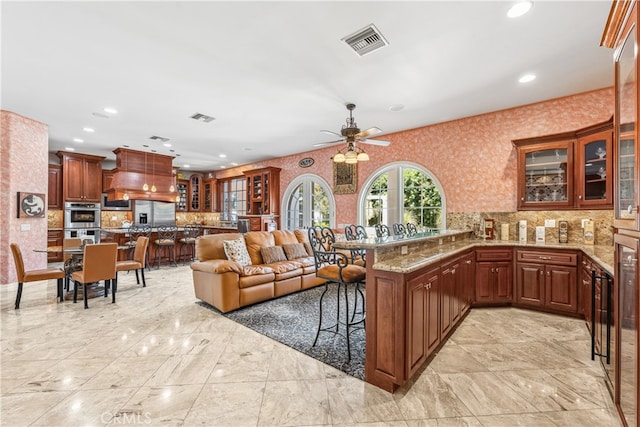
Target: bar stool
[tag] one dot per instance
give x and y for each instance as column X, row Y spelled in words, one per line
column 188, row 240
column 382, row 230
column 399, row 229
column 334, row 267
column 412, row 229
column 166, row 241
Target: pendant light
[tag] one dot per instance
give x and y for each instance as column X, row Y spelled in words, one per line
column 153, row 174
column 145, row 186
column 126, row 193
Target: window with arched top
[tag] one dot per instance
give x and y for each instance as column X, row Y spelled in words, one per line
column 402, row 192
column 307, row 202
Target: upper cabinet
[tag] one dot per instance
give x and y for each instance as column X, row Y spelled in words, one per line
column 182, row 189
column 263, row 191
column 622, row 34
column 54, row 196
column 209, row 194
column 567, row 170
column 195, row 184
column 81, row 177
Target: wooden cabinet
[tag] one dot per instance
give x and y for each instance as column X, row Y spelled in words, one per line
column 494, row 272
column 585, row 292
column 423, row 308
column 570, row 170
column 467, row 281
column 54, row 238
column 107, row 178
column 547, row 279
column 209, row 195
column 81, row 177
column 182, row 189
column 54, row 189
column 456, row 289
column 263, row 191
column 195, row 192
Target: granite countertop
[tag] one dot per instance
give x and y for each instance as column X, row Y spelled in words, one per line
column 416, row 260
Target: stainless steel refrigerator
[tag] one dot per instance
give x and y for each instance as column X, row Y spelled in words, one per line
column 154, row 213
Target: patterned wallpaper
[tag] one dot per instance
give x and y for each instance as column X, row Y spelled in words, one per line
column 473, row 158
column 23, row 158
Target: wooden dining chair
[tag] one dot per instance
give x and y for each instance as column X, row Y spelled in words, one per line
column 25, row 276
column 98, row 263
column 136, row 264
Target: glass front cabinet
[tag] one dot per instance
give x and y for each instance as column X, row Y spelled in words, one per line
column 567, row 170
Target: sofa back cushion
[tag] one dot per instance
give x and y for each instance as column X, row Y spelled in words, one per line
column 284, row 237
column 211, row 246
column 295, row 250
column 236, row 251
column 256, row 240
column 272, row 254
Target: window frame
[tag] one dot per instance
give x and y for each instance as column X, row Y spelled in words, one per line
column 307, row 179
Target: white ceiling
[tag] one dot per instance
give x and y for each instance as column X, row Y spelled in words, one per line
column 274, row 74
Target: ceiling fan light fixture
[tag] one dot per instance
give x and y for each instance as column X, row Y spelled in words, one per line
column 362, row 157
column 351, row 157
column 339, row 158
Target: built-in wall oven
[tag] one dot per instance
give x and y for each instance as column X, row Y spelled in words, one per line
column 81, row 215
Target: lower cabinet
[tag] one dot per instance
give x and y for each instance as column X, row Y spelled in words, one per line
column 547, row 279
column 494, row 275
column 54, row 238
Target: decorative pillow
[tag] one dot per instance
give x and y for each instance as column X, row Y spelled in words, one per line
column 271, row 254
column 308, row 248
column 236, row 250
column 295, row 250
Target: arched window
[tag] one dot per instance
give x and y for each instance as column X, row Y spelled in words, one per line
column 400, row 193
column 308, row 202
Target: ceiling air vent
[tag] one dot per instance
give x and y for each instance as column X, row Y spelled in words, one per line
column 202, row 118
column 159, row 138
column 366, row 40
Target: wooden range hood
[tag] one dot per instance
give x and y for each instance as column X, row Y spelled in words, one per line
column 135, row 168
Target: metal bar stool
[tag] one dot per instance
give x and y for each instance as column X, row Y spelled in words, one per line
column 399, row 229
column 166, row 241
column 382, row 230
column 188, row 240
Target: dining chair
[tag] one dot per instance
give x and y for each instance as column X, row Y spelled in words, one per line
column 382, row 230
column 412, row 229
column 399, row 229
column 135, row 231
column 137, row 263
column 69, row 265
column 334, row 267
column 166, row 241
column 25, row 276
column 188, row 240
column 98, row 263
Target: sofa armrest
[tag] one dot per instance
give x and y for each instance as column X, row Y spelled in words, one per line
column 217, row 266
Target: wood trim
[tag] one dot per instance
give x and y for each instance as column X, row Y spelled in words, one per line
column 618, row 15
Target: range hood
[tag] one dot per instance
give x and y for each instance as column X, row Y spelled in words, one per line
column 134, row 169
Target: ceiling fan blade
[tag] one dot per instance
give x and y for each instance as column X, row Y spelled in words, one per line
column 375, row 142
column 369, row 132
column 330, row 132
column 321, row 144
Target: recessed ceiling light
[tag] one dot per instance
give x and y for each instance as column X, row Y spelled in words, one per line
column 78, row 140
column 110, row 110
column 234, row 164
column 223, row 167
column 247, row 149
column 519, row 9
column 527, row 78
column 187, row 166
column 396, row 107
column 167, row 144
column 222, row 156
column 90, row 130
column 69, row 148
column 100, row 115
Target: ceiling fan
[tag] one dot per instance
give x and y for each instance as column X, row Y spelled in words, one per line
column 351, row 133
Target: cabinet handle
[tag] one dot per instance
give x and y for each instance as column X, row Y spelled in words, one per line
column 468, row 261
column 497, row 269
column 541, row 272
column 580, row 196
column 453, row 271
column 493, row 269
column 548, row 273
column 522, row 199
column 544, row 257
column 429, row 285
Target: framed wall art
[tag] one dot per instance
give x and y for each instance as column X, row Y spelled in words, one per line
column 31, row 205
column 345, row 178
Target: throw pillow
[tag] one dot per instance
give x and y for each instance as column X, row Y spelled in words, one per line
column 236, row 250
column 271, row 254
column 308, row 248
column 295, row 250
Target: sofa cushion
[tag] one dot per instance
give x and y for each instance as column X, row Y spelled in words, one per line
column 271, row 254
column 256, row 240
column 236, row 250
column 351, row 273
column 284, row 237
column 295, row 250
column 211, row 246
column 308, row 248
column 256, row 270
column 217, row 266
column 284, row 266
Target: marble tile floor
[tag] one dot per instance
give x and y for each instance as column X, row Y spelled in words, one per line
column 158, row 358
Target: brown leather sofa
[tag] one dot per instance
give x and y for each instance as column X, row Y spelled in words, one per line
column 227, row 286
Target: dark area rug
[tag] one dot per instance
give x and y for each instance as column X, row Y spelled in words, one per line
column 293, row 321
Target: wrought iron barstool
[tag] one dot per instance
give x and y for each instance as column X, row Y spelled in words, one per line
column 382, row 230
column 412, row 229
column 399, row 229
column 358, row 257
column 335, row 267
column 135, row 231
column 166, row 241
column 188, row 240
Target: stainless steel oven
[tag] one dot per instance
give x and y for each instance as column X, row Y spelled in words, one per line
column 81, row 215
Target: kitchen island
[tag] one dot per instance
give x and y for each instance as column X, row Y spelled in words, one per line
column 418, row 289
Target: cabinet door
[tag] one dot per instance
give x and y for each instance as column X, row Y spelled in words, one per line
column 594, row 170
column 195, row 181
column 433, row 312
column 54, row 238
column 92, row 181
column 417, row 319
column 182, row 188
column 467, row 280
column 73, row 178
column 530, row 284
column 561, row 288
column 447, row 290
column 54, row 189
column 545, row 175
column 503, row 282
column 586, row 293
column 484, row 282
